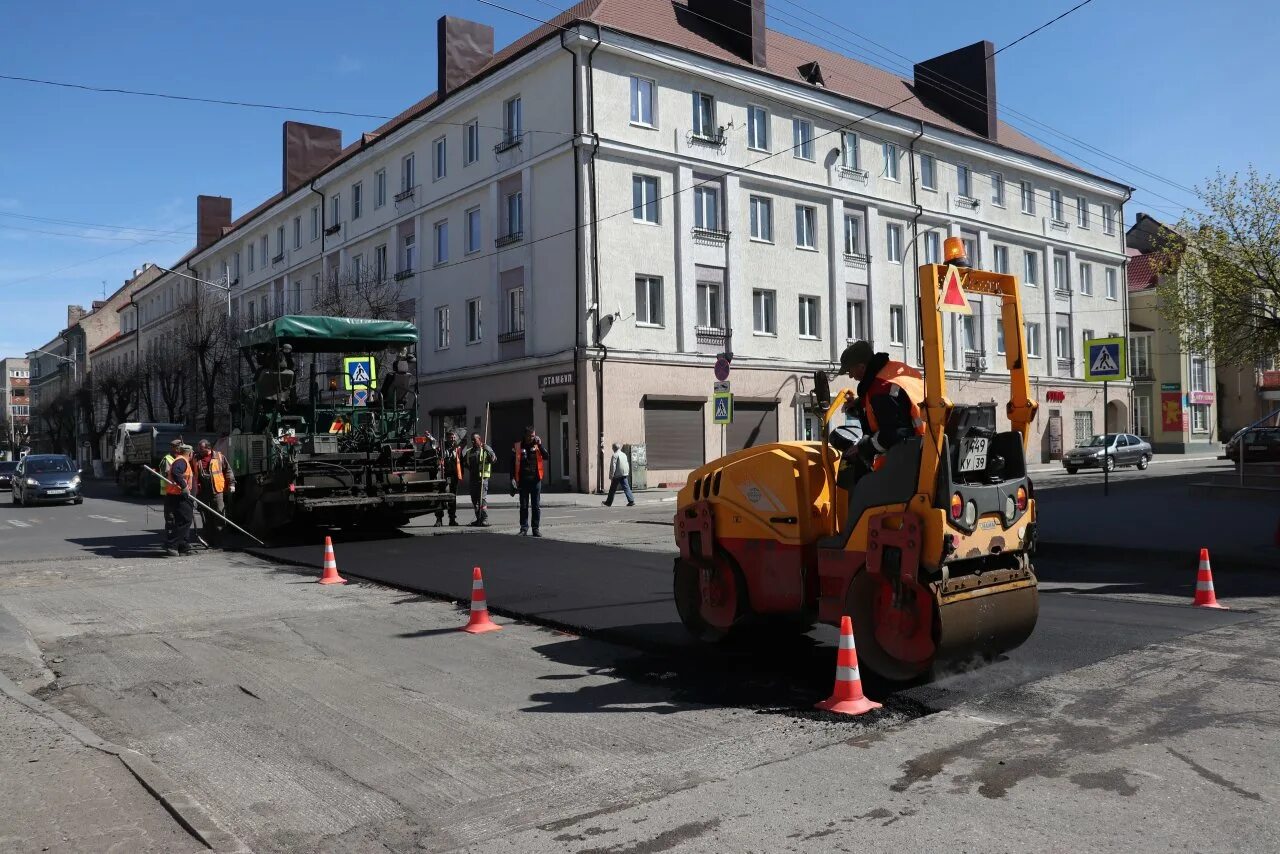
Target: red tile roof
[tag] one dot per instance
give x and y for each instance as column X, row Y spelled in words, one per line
column 112, row 340
column 1143, row 273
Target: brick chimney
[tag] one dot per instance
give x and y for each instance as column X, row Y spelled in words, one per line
column 738, row 25
column 213, row 213
column 462, row 48
column 307, row 150
column 962, row 86
column 74, row 314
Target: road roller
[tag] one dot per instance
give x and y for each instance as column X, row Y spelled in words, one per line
column 930, row 553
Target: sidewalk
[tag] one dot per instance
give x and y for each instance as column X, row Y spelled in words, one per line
column 501, row 498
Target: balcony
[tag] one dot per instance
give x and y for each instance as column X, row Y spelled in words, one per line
column 1062, row 293
column 853, row 173
column 713, row 236
column 710, row 334
column 975, row 361
column 967, row 202
column 508, row 337
column 1058, row 224
column 279, row 258
column 508, row 239
column 333, row 229
column 1066, row 366
column 509, row 141
column 715, row 140
column 856, row 259
column 404, row 274
column 405, row 194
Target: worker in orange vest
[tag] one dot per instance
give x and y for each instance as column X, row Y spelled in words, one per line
column 214, row 479
column 528, row 468
column 890, row 395
column 451, row 471
column 177, row 503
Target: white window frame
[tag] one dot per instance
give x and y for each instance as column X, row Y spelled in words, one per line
column 380, row 262
column 1194, row 382
column 471, row 142
column 379, row 188
column 439, row 158
column 932, row 247
column 706, row 207
column 315, row 222
column 893, row 242
column 1142, row 416
column 251, row 252
column 1112, row 283
column 1027, row 197
column 997, row 189
column 1000, row 349
column 1199, row 418
column 801, row 139
column 704, row 115
column 1108, row 220
column 297, row 232
column 443, row 330
column 644, row 204
column 440, row 242
column 513, row 300
column 1082, row 212
column 806, row 227
column 852, row 234
column 475, row 321
column 709, row 296
column 474, row 227
column 761, row 212
column 964, row 181
column 357, row 200
column 1086, row 278
column 649, row 311
column 1139, row 355
column 897, row 325
column 638, row 103
column 1056, row 211
column 1033, row 339
column 335, row 204
column 928, row 172
column 892, row 168
column 409, row 252
column 1061, row 275
column 810, row 317
column 514, row 208
column 855, row 319
column 849, row 155
column 764, row 312
column 408, row 173
column 1030, row 268
column 1000, row 258
column 758, row 136
column 512, row 119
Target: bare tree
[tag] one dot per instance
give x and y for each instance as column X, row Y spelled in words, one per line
column 162, row 383
column 360, row 292
column 56, row 419
column 209, row 353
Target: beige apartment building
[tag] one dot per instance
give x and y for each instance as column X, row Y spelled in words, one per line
column 582, row 221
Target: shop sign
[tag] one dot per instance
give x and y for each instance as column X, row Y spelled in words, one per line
column 1054, row 395
column 1202, row 398
column 1171, row 411
column 1170, row 387
column 554, row 380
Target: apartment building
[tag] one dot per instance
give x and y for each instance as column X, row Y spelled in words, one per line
column 16, row 372
column 581, row 222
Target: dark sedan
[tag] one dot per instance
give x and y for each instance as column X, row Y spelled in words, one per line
column 46, row 477
column 1261, row 445
column 1109, row 451
column 7, row 468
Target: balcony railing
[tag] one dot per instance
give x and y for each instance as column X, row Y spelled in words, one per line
column 709, row 235
column 853, row 173
column 1065, row 293
column 968, row 202
column 1066, row 366
column 1059, row 224
column 333, row 229
column 709, row 334
column 404, row 274
column 508, row 239
column 278, row 258
column 509, row 141
column 405, row 194
column 508, row 337
column 856, row 259
column 715, row 140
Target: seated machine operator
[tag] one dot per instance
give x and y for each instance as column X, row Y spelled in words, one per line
column 890, row 395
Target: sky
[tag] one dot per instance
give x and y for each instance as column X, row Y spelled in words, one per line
column 1171, row 88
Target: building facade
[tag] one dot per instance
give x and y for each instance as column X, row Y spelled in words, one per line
column 582, row 222
column 17, row 379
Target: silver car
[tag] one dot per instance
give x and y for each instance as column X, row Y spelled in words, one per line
column 1109, row 451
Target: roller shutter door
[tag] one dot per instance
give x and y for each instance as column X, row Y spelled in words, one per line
column 506, row 427
column 753, row 424
column 673, row 434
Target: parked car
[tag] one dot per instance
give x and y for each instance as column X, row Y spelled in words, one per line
column 46, row 477
column 7, row 469
column 1261, row 444
column 1109, row 451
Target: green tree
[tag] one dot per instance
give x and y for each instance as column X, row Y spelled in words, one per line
column 1220, row 270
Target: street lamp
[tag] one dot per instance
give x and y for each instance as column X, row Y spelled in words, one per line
column 219, row 285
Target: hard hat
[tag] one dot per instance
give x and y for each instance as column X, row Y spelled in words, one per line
column 857, row 353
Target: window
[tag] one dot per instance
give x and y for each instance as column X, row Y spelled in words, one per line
column 971, row 328
column 410, row 253
column 315, row 222
column 997, row 189
column 357, row 267
column 262, row 251
column 442, row 327
column 648, row 301
column 1139, row 356
column 1033, row 340
column 1060, row 282
column 849, row 150
column 763, row 312
column 757, row 128
column 809, row 327
column 642, row 101
column 335, row 209
column 473, row 230
column 1086, row 278
column 964, row 182
column 1028, row 198
column 442, row 242
column 1111, row 283
column 357, row 200
column 932, row 247
column 971, row 252
column 295, row 296
column 709, row 306
column 1031, row 268
column 806, row 223
column 515, row 214
column 893, row 242
column 408, row 174
column 1082, row 212
column 644, row 198
column 1199, row 418
column 471, row 142
column 761, row 218
column 380, row 262
column 1055, row 206
column 704, row 115
column 279, row 242
column 1063, row 342
column 473, row 321
column 1083, row 426
column 1108, row 220
column 515, row 309
column 297, row 232
column 855, row 318
column 439, row 158
column 897, row 324
column 891, row 161
column 706, row 208
column 802, row 139
column 1000, row 338
column 928, row 172
column 853, row 235
column 379, row 188
column 1142, row 416
column 1199, row 373
column 251, row 314
column 512, row 120
column 1001, row 259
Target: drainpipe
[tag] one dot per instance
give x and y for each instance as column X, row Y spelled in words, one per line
column 915, row 235
column 320, row 193
column 1124, row 283
column 595, row 262
column 577, row 267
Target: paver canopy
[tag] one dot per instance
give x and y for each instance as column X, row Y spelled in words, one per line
column 317, row 334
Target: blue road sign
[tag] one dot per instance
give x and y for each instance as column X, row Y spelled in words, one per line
column 723, row 410
column 1104, row 359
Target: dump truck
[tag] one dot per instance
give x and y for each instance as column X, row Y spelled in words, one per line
column 319, row 438
column 930, row 554
column 144, row 443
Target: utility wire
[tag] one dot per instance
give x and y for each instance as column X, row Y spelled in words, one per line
column 54, row 221
column 88, row 237
column 1041, row 27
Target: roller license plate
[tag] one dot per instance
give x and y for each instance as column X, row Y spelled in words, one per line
column 973, row 454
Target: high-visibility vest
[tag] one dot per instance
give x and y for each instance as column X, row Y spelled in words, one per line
column 893, row 379
column 537, row 454
column 172, row 488
column 217, row 471
column 166, row 463
column 340, row 425
column 482, row 459
column 454, row 454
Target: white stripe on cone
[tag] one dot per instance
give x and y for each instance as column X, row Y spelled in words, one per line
column 847, row 674
column 1204, row 585
column 846, row 642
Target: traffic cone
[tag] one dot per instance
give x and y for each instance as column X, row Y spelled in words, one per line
column 330, row 565
column 847, row 698
column 479, row 621
column 1205, row 597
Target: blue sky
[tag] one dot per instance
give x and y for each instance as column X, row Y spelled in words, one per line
column 1176, row 88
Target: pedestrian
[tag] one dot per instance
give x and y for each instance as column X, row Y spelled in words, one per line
column 451, row 471
column 214, row 479
column 177, row 504
column 890, row 395
column 175, row 450
column 478, row 461
column 619, row 476
column 527, row 470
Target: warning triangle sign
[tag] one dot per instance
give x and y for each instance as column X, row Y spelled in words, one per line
column 360, row 374
column 952, row 298
column 1104, row 362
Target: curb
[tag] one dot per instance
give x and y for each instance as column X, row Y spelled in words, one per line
column 186, row 810
column 1250, row 561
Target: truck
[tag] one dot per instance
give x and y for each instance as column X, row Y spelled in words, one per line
column 930, row 554
column 144, row 443
column 319, row 438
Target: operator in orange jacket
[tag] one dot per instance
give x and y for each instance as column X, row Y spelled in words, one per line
column 890, row 395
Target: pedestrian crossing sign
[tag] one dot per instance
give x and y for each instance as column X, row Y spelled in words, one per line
column 359, row 372
column 1105, row 359
column 722, row 407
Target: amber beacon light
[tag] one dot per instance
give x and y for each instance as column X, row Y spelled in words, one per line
column 953, row 252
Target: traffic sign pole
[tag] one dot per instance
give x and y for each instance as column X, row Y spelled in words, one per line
column 1106, row 446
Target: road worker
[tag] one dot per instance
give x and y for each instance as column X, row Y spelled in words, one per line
column 214, row 479
column 451, row 471
column 175, row 450
column 528, row 468
column 178, row 505
column 478, row 461
column 889, row 401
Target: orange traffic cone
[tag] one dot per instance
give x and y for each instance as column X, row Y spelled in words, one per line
column 330, row 565
column 847, row 698
column 1205, row 597
column 479, row 621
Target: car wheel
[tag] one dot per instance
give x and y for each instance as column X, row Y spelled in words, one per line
column 1072, row 469
column 1143, row 462
column 1110, row 464
column 77, row 501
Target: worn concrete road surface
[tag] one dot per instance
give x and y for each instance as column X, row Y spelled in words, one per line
column 281, row 715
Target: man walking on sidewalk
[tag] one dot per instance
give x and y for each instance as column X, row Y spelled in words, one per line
column 478, row 461
column 619, row 475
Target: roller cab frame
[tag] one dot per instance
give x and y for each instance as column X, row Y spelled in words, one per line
column 930, row 554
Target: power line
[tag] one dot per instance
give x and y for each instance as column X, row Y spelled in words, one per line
column 82, row 263
column 1041, row 27
column 86, row 237
column 54, row 221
